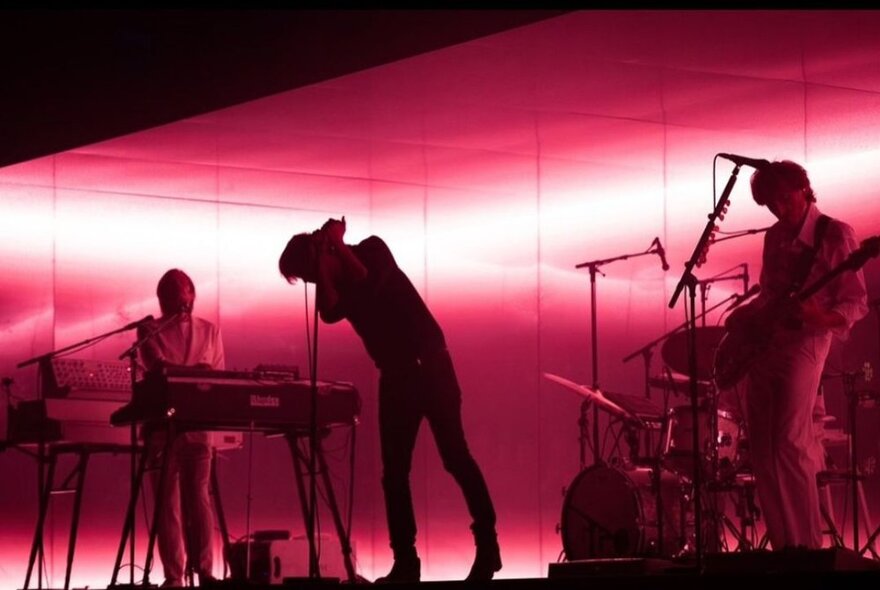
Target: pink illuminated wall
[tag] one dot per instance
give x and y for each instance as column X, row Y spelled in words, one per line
column 492, row 169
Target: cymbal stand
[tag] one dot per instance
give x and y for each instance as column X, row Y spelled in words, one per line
column 594, row 265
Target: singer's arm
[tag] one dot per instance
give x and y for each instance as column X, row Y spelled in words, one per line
column 337, row 266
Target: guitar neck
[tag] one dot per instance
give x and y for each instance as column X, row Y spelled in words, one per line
column 870, row 248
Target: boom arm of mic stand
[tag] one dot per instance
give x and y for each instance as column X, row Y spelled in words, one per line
column 598, row 263
column 688, row 277
column 134, row 347
column 81, row 344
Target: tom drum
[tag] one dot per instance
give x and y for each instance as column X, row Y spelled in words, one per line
column 678, row 454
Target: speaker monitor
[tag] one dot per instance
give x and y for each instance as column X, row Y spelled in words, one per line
column 273, row 560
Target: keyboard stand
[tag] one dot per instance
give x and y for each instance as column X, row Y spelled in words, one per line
column 300, row 466
column 78, row 474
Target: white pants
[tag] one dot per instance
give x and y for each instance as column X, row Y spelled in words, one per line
column 781, row 394
column 187, row 512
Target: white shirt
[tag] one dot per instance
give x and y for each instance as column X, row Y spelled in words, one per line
column 845, row 294
column 186, row 341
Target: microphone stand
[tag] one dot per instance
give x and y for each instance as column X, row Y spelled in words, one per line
column 309, row 505
column 689, row 281
column 314, row 566
column 82, row 344
column 594, row 265
column 42, row 360
column 131, row 354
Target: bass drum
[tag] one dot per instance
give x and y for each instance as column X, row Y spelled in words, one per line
column 611, row 512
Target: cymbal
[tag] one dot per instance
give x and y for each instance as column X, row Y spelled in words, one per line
column 680, row 384
column 675, row 351
column 594, row 395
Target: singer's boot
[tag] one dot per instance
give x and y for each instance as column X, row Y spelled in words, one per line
column 407, row 568
column 488, row 557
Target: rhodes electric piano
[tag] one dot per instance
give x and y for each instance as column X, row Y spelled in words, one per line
column 264, row 401
column 228, row 400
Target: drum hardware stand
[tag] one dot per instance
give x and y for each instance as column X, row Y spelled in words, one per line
column 851, row 476
column 594, row 265
column 748, row 513
column 714, row 485
column 868, row 374
column 823, row 481
column 745, row 533
column 854, row 476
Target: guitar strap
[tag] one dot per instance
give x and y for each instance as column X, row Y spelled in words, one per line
column 808, row 256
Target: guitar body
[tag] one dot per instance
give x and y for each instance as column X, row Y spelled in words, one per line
column 735, row 355
column 748, row 337
column 750, row 328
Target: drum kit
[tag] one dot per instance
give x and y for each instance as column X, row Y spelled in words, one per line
column 642, row 505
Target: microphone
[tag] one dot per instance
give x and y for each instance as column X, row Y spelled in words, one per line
column 744, row 161
column 739, row 299
column 661, row 253
column 143, row 320
column 745, row 276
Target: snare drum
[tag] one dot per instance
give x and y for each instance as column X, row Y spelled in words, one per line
column 612, row 512
column 678, row 454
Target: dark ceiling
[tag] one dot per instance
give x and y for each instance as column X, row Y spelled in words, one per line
column 74, row 77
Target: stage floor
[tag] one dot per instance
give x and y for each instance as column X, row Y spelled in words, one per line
column 801, row 569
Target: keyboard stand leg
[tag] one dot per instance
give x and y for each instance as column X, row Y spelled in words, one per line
column 129, row 514
column 300, row 464
column 37, row 545
column 337, row 519
column 157, row 502
column 218, row 508
column 299, row 461
column 80, row 473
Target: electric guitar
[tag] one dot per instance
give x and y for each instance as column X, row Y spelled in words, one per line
column 748, row 338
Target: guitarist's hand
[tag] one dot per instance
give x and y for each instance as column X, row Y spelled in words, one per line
column 813, row 315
